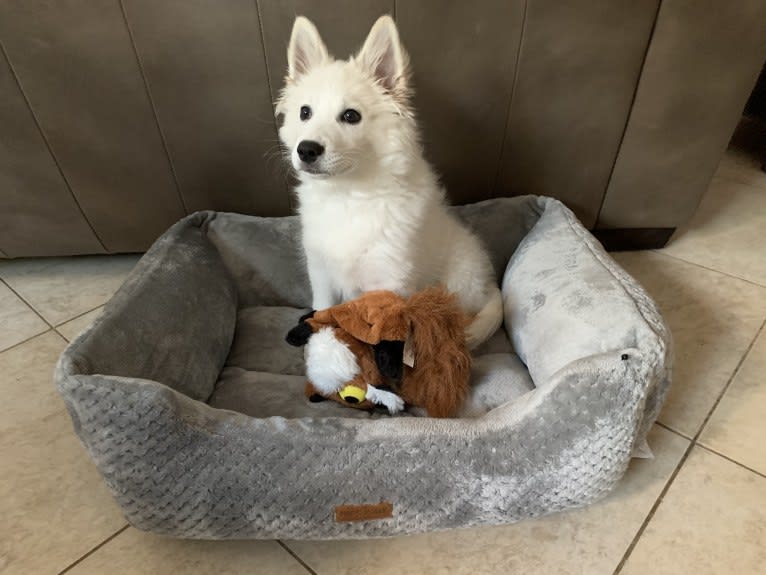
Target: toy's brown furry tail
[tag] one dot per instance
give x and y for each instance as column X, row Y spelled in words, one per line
column 440, row 380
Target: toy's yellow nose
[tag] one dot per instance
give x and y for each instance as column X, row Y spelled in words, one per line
column 352, row 394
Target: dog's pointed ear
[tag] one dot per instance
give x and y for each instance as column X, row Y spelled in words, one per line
column 383, row 56
column 389, row 357
column 306, row 49
column 300, row 334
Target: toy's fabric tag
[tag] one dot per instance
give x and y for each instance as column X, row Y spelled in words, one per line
column 408, row 357
column 382, row 510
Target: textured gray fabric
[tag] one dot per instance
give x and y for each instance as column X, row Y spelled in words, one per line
column 556, row 436
column 496, row 378
column 542, row 294
column 498, row 343
column 500, row 228
column 567, row 299
column 259, row 341
column 173, row 319
column 272, row 274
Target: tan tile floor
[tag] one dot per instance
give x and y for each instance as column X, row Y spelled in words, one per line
column 698, row 507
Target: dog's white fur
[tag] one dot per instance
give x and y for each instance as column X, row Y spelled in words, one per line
column 373, row 213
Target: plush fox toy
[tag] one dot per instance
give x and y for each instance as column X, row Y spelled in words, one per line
column 383, row 349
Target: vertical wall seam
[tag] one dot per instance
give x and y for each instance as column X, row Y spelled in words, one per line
column 510, row 99
column 155, row 115
column 48, row 146
column 629, row 115
column 290, row 202
column 265, row 56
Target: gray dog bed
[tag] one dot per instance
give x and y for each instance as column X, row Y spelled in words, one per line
column 191, row 404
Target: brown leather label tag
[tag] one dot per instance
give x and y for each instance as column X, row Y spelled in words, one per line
column 382, row 510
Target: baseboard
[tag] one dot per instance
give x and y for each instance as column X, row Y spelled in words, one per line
column 629, row 239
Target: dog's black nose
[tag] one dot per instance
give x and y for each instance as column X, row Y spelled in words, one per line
column 309, row 151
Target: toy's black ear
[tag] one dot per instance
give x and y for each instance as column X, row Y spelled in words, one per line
column 389, row 357
column 301, row 333
column 306, row 316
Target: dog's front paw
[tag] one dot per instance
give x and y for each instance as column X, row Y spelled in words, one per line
column 389, row 400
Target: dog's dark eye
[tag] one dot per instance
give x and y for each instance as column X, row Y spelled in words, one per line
column 305, row 113
column 351, row 116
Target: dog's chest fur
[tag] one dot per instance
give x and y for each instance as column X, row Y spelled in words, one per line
column 363, row 239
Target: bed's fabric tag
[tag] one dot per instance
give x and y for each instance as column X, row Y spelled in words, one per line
column 408, row 357
column 382, row 510
column 642, row 451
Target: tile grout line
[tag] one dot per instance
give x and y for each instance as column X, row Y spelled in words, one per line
column 30, row 338
column 671, row 430
column 79, row 315
column 704, row 267
column 92, row 551
column 729, row 459
column 295, row 556
column 660, row 498
column 693, row 443
column 51, row 326
column 18, row 295
column 65, row 338
column 653, row 510
column 53, row 329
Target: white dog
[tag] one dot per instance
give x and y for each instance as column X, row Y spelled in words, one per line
column 372, row 210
